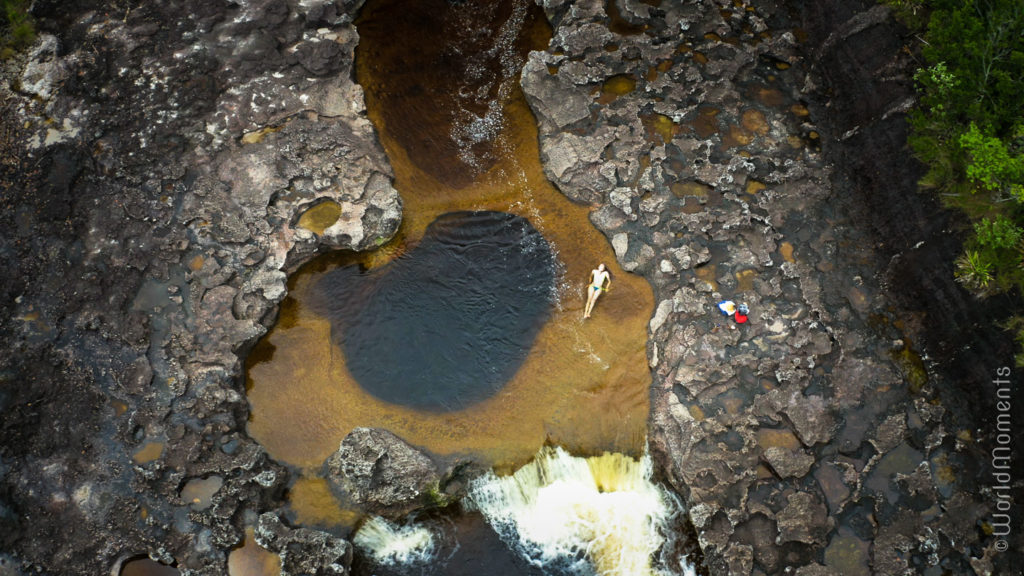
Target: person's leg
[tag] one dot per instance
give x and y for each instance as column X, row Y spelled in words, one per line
column 592, row 295
column 590, row 302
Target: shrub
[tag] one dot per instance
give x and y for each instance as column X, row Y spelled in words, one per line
column 912, row 13
column 998, row 234
column 991, row 165
column 973, row 271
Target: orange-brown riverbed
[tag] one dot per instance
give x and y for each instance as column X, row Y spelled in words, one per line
column 584, row 384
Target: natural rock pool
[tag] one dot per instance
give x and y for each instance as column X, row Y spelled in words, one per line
column 448, row 324
column 582, row 385
column 463, row 336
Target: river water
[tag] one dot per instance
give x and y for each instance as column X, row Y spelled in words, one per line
column 441, row 83
column 583, row 385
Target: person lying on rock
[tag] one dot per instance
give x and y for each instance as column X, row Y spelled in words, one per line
column 598, row 279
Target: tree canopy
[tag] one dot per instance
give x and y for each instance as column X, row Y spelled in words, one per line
column 968, row 128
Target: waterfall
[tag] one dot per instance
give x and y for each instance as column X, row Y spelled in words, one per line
column 390, row 544
column 598, row 515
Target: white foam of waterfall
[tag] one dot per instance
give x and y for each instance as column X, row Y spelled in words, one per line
column 392, row 545
column 600, row 514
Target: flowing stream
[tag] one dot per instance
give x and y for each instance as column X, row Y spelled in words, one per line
column 559, row 514
column 601, row 513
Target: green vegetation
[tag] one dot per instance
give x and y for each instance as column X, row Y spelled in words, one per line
column 913, row 13
column 17, row 28
column 968, row 128
column 911, row 365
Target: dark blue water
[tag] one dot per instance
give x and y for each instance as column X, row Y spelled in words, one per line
column 446, row 325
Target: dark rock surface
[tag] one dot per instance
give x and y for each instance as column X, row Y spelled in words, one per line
column 303, row 551
column 815, row 438
column 913, row 234
column 378, row 471
column 155, row 160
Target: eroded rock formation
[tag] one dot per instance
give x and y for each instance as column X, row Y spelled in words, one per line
column 811, row 439
column 161, row 158
column 157, row 160
column 376, row 469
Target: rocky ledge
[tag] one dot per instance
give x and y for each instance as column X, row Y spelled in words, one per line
column 163, row 165
column 812, row 439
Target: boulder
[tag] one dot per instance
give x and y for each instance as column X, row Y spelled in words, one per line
column 379, row 472
column 811, row 418
column 804, row 519
column 302, row 550
column 787, row 463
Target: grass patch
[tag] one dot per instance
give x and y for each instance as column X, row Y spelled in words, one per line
column 17, row 27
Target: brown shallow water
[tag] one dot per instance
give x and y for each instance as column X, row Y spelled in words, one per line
column 460, row 136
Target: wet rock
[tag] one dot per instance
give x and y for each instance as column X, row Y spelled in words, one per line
column 810, row 417
column 690, row 256
column 831, row 480
column 928, row 411
column 134, row 148
column 787, row 463
column 893, row 545
column 739, row 559
column 320, row 56
column 302, row 550
column 608, row 218
column 970, row 513
column 379, row 472
column 173, row 155
column 139, row 376
column 853, row 375
column 760, row 531
column 847, row 554
column 218, row 324
column 814, row 570
column 573, row 163
column 803, row 519
column 44, row 71
column 890, row 433
column 623, row 200
column 687, row 300
column 554, row 100
column 332, row 12
column 660, row 315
